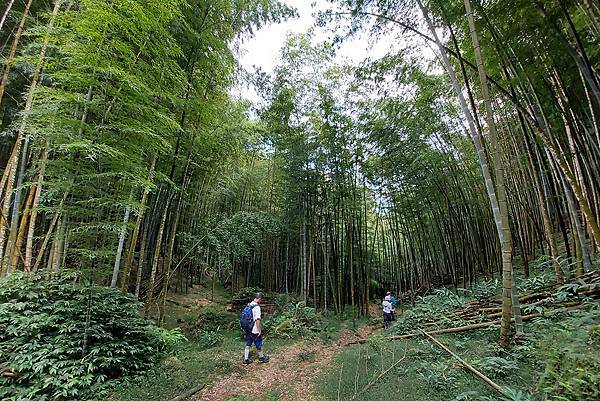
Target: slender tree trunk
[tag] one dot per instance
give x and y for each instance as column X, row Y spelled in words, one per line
column 122, row 235
column 12, row 265
column 6, row 12
column 141, row 262
column 583, row 245
column 303, row 259
column 42, row 250
column 136, row 230
column 33, row 215
column 171, row 244
column 155, row 259
column 13, row 49
column 544, row 211
column 4, row 214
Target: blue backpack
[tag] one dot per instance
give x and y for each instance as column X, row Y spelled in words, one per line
column 246, row 318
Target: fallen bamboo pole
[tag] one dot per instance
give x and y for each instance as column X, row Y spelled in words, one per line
column 465, row 364
column 379, row 377
column 486, row 324
column 476, row 326
column 188, row 393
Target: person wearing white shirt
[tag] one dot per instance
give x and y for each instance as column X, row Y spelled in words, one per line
column 387, row 311
column 255, row 336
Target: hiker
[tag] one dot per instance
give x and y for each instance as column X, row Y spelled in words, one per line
column 387, row 311
column 394, row 302
column 250, row 322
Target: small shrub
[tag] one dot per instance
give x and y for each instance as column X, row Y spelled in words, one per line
column 282, row 301
column 497, row 367
column 210, row 320
column 537, row 283
column 448, row 297
column 569, row 291
column 470, row 395
column 408, row 321
column 247, row 293
column 211, row 339
column 307, row 356
column 295, row 321
column 486, row 290
column 516, row 395
column 439, row 375
column 167, row 340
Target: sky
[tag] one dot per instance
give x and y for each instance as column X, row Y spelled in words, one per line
column 263, row 49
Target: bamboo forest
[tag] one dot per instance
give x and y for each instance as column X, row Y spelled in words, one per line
column 397, row 199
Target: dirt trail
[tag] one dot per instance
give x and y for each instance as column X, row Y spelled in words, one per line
column 286, row 372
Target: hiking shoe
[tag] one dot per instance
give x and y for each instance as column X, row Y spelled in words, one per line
column 263, row 359
column 247, row 361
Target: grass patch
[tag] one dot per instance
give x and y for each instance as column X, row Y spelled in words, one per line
column 192, row 366
column 559, row 359
column 271, row 396
column 423, row 375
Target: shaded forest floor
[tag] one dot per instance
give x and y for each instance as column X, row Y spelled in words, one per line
column 288, row 377
column 557, row 357
column 214, row 361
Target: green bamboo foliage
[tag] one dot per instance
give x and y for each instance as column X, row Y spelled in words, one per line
column 126, row 157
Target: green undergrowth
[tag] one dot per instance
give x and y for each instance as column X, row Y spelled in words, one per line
column 193, row 365
column 558, row 359
column 60, row 340
column 271, row 396
column 215, row 345
column 434, row 310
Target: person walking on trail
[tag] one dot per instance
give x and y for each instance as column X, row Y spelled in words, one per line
column 250, row 322
column 387, row 311
column 394, row 302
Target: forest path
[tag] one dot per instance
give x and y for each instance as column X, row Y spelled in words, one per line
column 291, row 370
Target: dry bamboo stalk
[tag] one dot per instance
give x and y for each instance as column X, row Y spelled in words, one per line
column 188, row 393
column 465, row 364
column 381, row 375
column 12, row 265
column 6, row 11
column 485, row 324
column 13, row 49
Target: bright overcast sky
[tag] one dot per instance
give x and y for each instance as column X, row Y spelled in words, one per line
column 263, row 49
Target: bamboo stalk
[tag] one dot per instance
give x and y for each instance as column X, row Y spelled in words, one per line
column 486, row 324
column 13, row 49
column 379, row 377
column 467, row 366
column 188, row 393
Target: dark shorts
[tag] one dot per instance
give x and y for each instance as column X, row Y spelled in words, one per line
column 253, row 338
column 387, row 317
